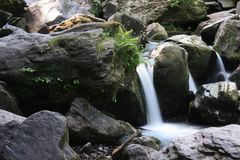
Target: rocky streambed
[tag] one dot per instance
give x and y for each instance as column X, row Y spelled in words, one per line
column 69, row 87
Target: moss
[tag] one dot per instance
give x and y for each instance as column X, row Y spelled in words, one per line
column 54, row 42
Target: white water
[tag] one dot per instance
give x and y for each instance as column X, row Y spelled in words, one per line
column 166, row 132
column 192, row 84
column 221, row 69
column 153, row 110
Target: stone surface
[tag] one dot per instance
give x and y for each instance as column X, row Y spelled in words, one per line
column 198, row 55
column 238, row 8
column 147, row 141
column 216, row 104
column 207, row 144
column 136, row 152
column 170, row 62
column 156, row 32
column 45, row 11
column 227, row 41
column 227, row 3
column 87, row 124
column 8, row 117
column 43, row 135
column 8, row 102
column 208, row 29
column 129, row 23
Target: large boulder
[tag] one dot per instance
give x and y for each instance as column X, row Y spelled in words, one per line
column 43, row 135
column 227, row 41
column 155, row 32
column 16, row 7
column 208, row 29
column 88, row 124
column 154, row 10
column 216, row 104
column 8, row 117
column 45, row 11
column 7, row 101
column 198, row 55
column 171, row 62
column 210, row 143
column 136, row 152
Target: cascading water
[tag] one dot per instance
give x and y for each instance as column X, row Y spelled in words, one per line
column 219, row 73
column 192, row 84
column 155, row 125
column 145, row 73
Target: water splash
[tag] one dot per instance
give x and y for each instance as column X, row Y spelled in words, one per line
column 153, row 110
column 221, row 69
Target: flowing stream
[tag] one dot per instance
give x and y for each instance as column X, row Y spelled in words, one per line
column 166, row 132
column 192, row 84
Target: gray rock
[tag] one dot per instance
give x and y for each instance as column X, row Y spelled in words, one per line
column 45, row 11
column 44, row 135
column 207, row 144
column 216, row 103
column 136, row 152
column 208, row 29
column 171, row 62
column 8, row 102
column 8, row 117
column 198, row 55
column 156, row 32
column 129, row 23
column 238, row 8
column 88, row 124
column 228, row 39
column 227, row 3
column 147, row 141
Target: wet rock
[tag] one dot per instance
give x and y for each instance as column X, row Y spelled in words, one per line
column 238, row 8
column 170, row 62
column 210, row 143
column 227, row 3
column 136, row 152
column 88, row 124
column 227, row 41
column 156, row 32
column 208, row 29
column 216, row 104
column 129, row 23
column 45, row 134
column 44, row 11
column 212, row 6
column 198, row 55
column 16, row 7
column 5, row 32
column 8, row 102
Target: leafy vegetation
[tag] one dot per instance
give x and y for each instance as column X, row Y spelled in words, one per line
column 96, row 7
column 28, row 70
column 177, row 3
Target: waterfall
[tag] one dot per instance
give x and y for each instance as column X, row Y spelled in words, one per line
column 192, row 85
column 221, row 69
column 145, row 73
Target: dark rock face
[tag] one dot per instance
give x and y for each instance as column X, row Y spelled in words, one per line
column 16, row 7
column 171, row 78
column 8, row 101
column 88, row 124
column 199, row 55
column 235, row 76
column 216, row 104
column 4, row 17
column 43, row 135
column 227, row 41
column 210, row 143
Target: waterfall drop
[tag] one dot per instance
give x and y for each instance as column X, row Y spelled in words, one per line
column 192, row 84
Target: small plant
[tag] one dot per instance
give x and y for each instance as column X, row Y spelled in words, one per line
column 53, row 42
column 96, row 7
column 45, row 80
column 177, row 3
column 128, row 49
column 28, row 70
column 76, row 82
